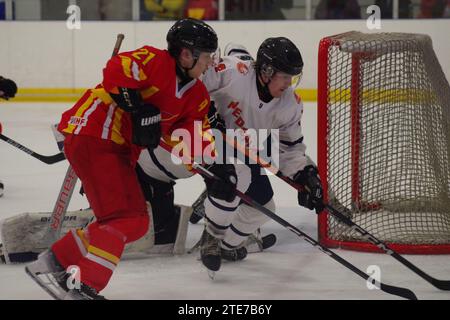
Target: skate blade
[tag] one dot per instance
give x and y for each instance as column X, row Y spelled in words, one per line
column 211, row 274
column 42, row 284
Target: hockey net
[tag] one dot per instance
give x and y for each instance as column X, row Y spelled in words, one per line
column 384, row 141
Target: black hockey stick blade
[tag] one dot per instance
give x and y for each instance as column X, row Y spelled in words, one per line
column 343, row 217
column 46, row 159
column 51, row 159
column 398, row 291
column 441, row 284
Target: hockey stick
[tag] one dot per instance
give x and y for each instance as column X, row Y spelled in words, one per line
column 199, row 210
column 398, row 291
column 440, row 284
column 68, row 185
column 46, row 159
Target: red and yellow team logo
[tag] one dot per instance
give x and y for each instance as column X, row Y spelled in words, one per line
column 220, row 67
column 242, row 68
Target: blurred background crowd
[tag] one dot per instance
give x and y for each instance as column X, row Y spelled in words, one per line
column 222, row 9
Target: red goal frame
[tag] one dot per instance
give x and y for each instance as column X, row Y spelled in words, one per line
column 322, row 133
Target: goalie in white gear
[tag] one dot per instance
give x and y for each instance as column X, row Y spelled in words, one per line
column 257, row 95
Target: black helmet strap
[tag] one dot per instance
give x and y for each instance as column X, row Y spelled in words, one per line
column 182, row 73
column 263, row 87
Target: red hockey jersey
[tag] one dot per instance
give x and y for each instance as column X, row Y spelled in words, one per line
column 152, row 72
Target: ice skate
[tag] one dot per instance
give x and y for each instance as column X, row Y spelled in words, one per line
column 210, row 251
column 84, row 293
column 257, row 243
column 237, row 254
column 48, row 273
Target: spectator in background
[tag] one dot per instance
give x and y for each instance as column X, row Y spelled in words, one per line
column 90, row 9
column 338, row 9
column 404, row 8
column 2, row 10
column 202, row 9
column 447, row 10
column 111, row 9
column 432, row 9
column 165, row 9
column 256, row 9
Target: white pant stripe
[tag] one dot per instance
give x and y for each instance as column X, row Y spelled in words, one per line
column 107, row 123
column 79, row 242
column 101, row 261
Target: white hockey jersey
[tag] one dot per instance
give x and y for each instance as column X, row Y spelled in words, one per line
column 232, row 86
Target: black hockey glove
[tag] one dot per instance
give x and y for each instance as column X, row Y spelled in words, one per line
column 145, row 118
column 215, row 120
column 312, row 196
column 146, row 126
column 8, row 88
column 225, row 187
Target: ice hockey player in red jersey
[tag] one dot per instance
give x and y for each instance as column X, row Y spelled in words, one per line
column 8, row 89
column 145, row 95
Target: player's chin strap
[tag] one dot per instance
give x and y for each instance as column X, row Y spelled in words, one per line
column 182, row 72
column 263, row 89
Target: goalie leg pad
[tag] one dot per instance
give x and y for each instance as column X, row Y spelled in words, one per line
column 24, row 236
column 176, row 231
column 180, row 241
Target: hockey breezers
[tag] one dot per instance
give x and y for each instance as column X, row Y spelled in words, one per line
column 46, row 159
column 440, row 284
column 398, row 291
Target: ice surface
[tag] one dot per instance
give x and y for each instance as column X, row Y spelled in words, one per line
column 292, row 269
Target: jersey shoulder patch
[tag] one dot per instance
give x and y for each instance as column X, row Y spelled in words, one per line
column 220, row 67
column 233, row 65
column 297, row 97
column 242, row 67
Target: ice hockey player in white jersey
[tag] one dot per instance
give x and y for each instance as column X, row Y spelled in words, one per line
column 157, row 175
column 257, row 95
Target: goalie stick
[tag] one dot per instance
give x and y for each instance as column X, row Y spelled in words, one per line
column 69, row 182
column 46, row 159
column 344, row 218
